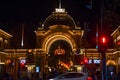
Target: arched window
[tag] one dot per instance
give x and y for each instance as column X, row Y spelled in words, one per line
column 5, row 43
column 1, row 40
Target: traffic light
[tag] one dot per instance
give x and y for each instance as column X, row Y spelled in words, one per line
column 85, row 60
column 103, row 43
column 103, row 40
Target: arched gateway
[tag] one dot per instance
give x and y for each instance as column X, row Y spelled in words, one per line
column 58, row 36
column 58, row 32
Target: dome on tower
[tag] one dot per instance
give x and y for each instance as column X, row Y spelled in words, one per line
column 59, row 17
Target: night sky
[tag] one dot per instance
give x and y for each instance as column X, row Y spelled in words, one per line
column 30, row 13
column 38, row 11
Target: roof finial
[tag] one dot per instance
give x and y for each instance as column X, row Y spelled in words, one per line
column 59, row 4
column 22, row 41
column 60, row 10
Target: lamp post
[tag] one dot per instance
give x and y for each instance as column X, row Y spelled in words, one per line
column 102, row 48
column 104, row 68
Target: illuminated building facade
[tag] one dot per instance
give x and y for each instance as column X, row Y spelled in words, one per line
column 59, row 46
column 116, row 53
column 4, row 44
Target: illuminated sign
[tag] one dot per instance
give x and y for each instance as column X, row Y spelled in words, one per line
column 37, row 69
column 96, row 61
column 22, row 61
column 59, row 10
column 59, row 51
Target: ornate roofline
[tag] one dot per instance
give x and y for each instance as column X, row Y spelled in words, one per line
column 115, row 31
column 60, row 13
column 5, row 33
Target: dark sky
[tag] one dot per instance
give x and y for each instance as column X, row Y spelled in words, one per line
column 31, row 12
column 28, row 11
column 25, row 12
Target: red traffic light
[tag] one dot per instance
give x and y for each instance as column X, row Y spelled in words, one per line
column 85, row 60
column 103, row 43
column 103, row 40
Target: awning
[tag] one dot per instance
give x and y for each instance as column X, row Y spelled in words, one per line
column 110, row 63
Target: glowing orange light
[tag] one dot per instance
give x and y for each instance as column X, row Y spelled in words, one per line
column 59, row 51
column 29, row 50
column 118, row 42
column 64, row 65
column 8, row 61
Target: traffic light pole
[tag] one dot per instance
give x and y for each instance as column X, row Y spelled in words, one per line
column 104, row 68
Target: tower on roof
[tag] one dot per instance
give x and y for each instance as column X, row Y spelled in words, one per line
column 61, row 10
column 59, row 4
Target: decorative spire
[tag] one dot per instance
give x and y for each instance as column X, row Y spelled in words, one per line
column 22, row 41
column 60, row 10
column 59, row 4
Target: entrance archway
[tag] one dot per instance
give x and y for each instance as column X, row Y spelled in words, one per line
column 48, row 46
column 60, row 61
column 57, row 36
